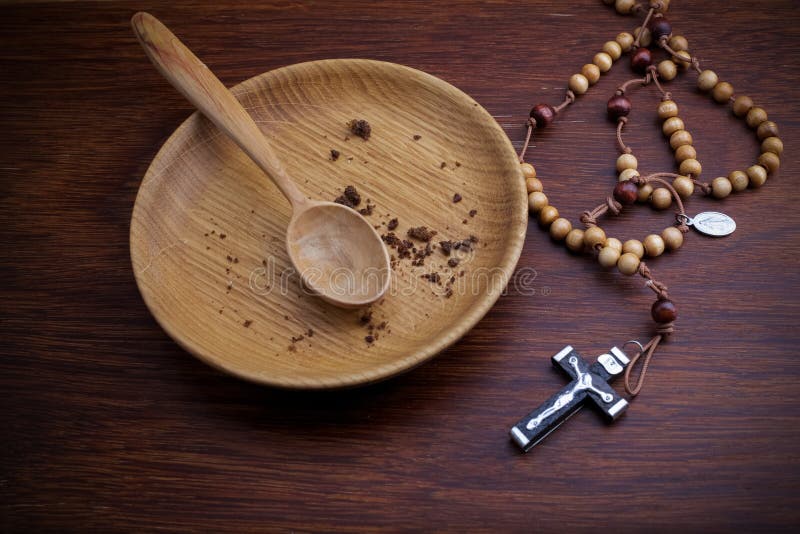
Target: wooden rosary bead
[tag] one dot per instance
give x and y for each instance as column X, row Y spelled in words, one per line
column 741, row 105
column 672, row 125
column 685, row 152
column 618, row 106
column 608, row 256
column 757, row 175
column 536, row 201
column 721, row 187
column 653, row 245
column 690, row 166
column 706, row 80
column 682, row 58
column 755, row 117
column 641, row 59
column 667, row 70
column 772, row 144
column 769, row 161
column 738, row 180
column 626, row 161
column 660, row 27
column 661, row 198
column 626, row 192
column 673, row 238
column 613, row 49
column 594, row 236
column 574, row 240
column 644, row 192
column 543, row 114
column 603, row 61
column 678, row 43
column 625, row 41
column 667, row 109
column 767, row 129
column 628, row 174
column 533, row 184
column 722, row 92
column 560, row 228
column 680, row 138
column 628, row 264
column 664, row 311
column 647, row 36
column 548, row 215
column 528, row 171
column 661, row 6
column 578, row 84
column 591, row 72
column 624, row 7
column 684, row 186
column 633, row 246
column 615, row 243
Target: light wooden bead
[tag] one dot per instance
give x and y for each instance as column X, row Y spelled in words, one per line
column 653, row 245
column 644, row 192
column 721, row 187
column 678, row 42
column 613, row 49
column 533, row 184
column 613, row 242
column 682, row 58
column 647, row 37
column 548, row 215
column 690, row 166
column 578, row 84
column 536, row 201
column 738, row 180
column 685, row 152
column 757, row 175
column 680, row 138
column 574, row 240
column 624, row 7
column 707, row 80
column 626, row 161
column 527, row 170
column 742, row 105
column 667, row 109
column 722, row 92
column 672, row 125
column 772, row 144
column 767, row 129
column 560, row 228
column 628, row 264
column 594, row 236
column 591, row 72
column 661, row 198
column 769, row 161
column 608, row 256
column 627, row 174
column 667, row 70
column 684, row 186
column 625, row 41
column 673, row 238
column 603, row 61
column 755, row 117
column 633, row 246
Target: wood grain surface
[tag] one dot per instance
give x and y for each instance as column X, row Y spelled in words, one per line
column 109, row 425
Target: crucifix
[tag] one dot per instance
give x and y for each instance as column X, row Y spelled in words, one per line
column 588, row 382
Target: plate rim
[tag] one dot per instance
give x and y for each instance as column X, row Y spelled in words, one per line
column 518, row 223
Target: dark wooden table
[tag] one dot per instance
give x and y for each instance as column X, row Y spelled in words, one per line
column 107, row 424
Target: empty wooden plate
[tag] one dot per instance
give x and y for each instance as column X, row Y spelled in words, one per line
column 207, row 233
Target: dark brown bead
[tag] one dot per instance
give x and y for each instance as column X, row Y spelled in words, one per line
column 618, row 106
column 626, row 192
column 664, row 311
column 543, row 114
column 641, row 59
column 660, row 27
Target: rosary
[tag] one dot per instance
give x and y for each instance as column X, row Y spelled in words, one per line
column 659, row 189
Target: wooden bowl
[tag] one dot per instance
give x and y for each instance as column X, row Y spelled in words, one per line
column 207, row 233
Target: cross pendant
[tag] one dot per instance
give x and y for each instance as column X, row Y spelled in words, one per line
column 588, row 382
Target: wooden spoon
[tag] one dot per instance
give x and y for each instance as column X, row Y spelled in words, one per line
column 337, row 253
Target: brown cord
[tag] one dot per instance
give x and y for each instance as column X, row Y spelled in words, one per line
column 652, row 72
column 695, row 62
column 569, row 98
column 704, row 187
column 622, row 88
column 621, row 122
column 643, row 26
column 531, row 127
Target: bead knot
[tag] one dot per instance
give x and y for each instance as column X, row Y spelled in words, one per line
column 613, row 206
column 588, row 219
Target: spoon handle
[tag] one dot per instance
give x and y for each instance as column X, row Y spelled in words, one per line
column 198, row 84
